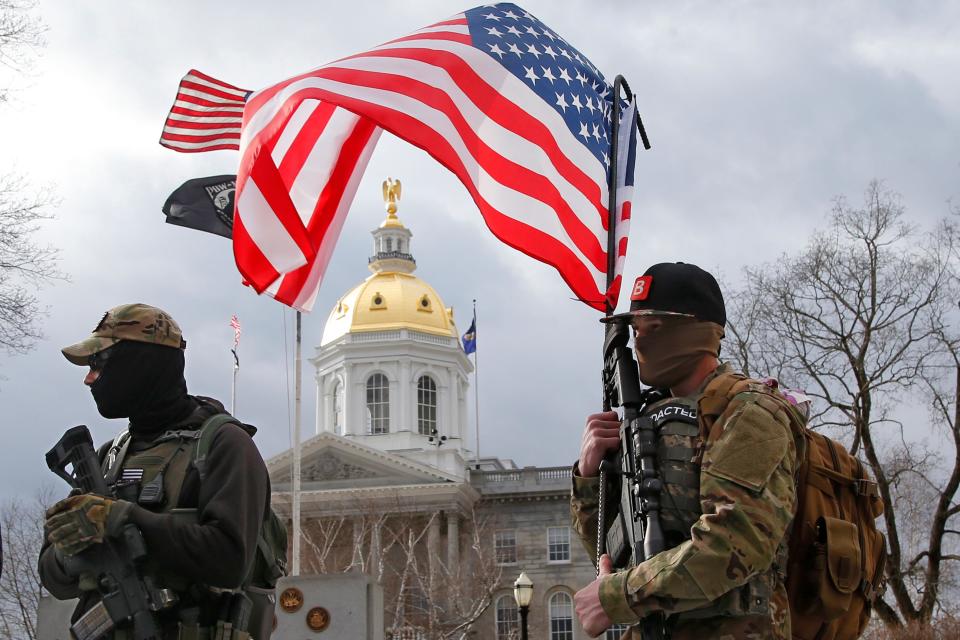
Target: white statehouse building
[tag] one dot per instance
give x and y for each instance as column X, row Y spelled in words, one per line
column 390, row 488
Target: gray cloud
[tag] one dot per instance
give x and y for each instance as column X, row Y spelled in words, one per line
column 760, row 113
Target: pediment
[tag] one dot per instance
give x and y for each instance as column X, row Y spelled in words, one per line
column 330, row 461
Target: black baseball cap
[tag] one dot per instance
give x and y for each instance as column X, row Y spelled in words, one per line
column 678, row 289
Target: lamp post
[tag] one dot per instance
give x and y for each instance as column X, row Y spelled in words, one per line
column 523, row 593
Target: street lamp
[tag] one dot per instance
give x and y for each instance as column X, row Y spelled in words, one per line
column 523, row 593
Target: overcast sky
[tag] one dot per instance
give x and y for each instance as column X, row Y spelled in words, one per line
column 759, row 114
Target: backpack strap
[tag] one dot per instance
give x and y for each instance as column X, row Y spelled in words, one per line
column 113, row 463
column 715, row 400
column 208, row 431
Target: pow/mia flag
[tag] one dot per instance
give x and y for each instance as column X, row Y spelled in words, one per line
column 205, row 204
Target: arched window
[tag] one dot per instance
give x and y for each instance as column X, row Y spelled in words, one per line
column 507, row 618
column 426, row 405
column 561, row 616
column 389, row 245
column 378, row 404
column 338, row 409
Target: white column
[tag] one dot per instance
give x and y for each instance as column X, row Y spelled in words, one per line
column 463, row 411
column 348, row 412
column 433, row 543
column 359, row 406
column 375, row 551
column 404, row 419
column 453, row 428
column 453, row 541
column 320, row 405
column 357, row 559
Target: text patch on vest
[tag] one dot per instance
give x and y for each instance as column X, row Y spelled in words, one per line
column 674, row 412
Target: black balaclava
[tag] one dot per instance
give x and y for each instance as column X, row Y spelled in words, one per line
column 143, row 382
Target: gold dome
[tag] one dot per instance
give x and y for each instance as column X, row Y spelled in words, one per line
column 389, row 300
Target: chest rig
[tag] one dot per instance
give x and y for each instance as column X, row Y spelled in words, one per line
column 153, row 477
column 680, row 443
column 675, row 420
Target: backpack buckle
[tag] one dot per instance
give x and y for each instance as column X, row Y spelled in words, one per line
column 866, row 488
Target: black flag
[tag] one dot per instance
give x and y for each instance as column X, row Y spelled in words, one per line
column 205, row 204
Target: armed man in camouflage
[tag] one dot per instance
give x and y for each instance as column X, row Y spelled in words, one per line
column 201, row 528
column 727, row 500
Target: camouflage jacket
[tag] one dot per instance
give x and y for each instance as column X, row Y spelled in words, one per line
column 737, row 546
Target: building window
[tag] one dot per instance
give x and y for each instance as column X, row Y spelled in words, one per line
column 378, row 404
column 505, row 547
column 616, row 631
column 558, row 544
column 507, row 618
column 426, row 405
column 561, row 617
column 389, row 242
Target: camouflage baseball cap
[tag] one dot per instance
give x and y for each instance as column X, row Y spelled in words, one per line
column 139, row 322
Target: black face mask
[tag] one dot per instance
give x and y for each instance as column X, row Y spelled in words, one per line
column 143, row 382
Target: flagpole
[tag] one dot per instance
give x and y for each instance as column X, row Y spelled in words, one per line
column 233, row 387
column 476, row 382
column 618, row 84
column 296, row 453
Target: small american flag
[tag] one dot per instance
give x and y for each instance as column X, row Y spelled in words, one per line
column 497, row 97
column 235, row 323
column 206, row 115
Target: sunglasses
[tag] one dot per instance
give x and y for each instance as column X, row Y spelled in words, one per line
column 97, row 361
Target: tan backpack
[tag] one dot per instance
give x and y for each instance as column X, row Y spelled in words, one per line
column 836, row 556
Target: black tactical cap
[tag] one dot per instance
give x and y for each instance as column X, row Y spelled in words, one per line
column 676, row 288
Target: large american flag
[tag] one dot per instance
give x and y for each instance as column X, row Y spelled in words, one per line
column 515, row 111
column 206, row 115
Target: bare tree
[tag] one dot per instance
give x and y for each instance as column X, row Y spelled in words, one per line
column 21, row 36
column 424, row 597
column 24, row 264
column 20, row 588
column 861, row 319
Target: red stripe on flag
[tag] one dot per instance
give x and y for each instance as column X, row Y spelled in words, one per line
column 192, row 124
column 197, row 113
column 203, row 102
column 203, row 76
column 462, row 38
column 300, row 150
column 214, row 147
column 252, row 264
column 270, row 184
column 210, row 91
column 177, row 137
column 327, row 206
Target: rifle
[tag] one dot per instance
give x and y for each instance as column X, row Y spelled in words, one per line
column 125, row 594
column 636, row 533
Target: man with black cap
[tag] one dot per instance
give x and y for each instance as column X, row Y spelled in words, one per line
column 728, row 491
column 135, row 357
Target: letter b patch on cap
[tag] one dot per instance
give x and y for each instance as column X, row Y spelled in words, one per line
column 641, row 288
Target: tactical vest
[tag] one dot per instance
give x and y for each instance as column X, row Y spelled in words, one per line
column 679, row 448
column 154, row 478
